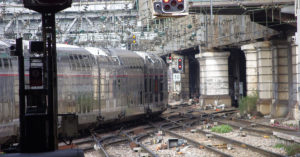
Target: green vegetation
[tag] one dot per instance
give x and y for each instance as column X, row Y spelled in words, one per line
column 248, row 104
column 292, row 149
column 279, row 145
column 222, row 129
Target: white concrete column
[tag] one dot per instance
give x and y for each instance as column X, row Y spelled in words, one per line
column 296, row 80
column 280, row 78
column 214, row 85
column 265, row 78
column 251, row 68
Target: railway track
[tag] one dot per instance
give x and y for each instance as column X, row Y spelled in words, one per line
column 184, row 124
column 248, row 149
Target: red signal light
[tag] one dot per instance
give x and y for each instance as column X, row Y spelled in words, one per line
column 166, row 1
column 180, row 7
column 173, row 3
column 170, row 57
column 167, row 7
column 180, row 64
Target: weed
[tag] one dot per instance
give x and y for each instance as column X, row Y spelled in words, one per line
column 248, row 104
column 222, row 129
column 279, row 145
column 291, row 150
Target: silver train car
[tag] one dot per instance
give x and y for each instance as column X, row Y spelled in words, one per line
column 99, row 85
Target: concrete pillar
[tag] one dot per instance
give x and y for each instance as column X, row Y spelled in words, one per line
column 265, row 76
column 296, row 80
column 281, row 78
column 214, row 85
column 251, row 68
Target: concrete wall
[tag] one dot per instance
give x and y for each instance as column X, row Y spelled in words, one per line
column 214, row 86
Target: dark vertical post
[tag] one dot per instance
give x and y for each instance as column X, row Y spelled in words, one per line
column 50, row 48
column 19, row 49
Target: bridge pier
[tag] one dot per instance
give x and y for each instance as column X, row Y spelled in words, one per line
column 271, row 72
column 214, row 82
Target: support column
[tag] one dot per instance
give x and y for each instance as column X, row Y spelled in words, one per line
column 214, row 85
column 251, row 68
column 296, row 80
column 281, row 79
column 265, row 77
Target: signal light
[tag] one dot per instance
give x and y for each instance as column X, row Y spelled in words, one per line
column 167, row 7
column 180, row 64
column 180, row 7
column 36, row 76
column 173, row 3
column 172, row 6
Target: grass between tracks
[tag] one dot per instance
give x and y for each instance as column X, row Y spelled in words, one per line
column 292, row 149
column 222, row 129
column 248, row 104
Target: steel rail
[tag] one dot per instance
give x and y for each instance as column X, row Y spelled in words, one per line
column 140, row 144
column 264, row 125
column 98, row 142
column 240, row 144
column 197, row 144
column 246, row 128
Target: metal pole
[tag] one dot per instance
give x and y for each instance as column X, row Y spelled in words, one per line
column 211, row 22
column 50, row 48
column 21, row 95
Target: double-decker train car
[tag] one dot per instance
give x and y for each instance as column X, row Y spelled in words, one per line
column 98, row 85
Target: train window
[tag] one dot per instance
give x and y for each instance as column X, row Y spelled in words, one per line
column 77, row 62
column 0, row 63
column 81, row 62
column 156, row 85
column 87, row 60
column 119, row 83
column 141, row 97
column 10, row 63
column 150, row 85
column 145, row 85
column 161, row 84
column 6, row 63
column 72, row 63
column 156, row 89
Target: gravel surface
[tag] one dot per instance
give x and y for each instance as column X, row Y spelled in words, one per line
column 93, row 153
column 258, row 141
column 236, row 151
column 121, row 150
column 186, row 151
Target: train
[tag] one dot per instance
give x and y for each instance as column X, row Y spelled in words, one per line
column 98, row 85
